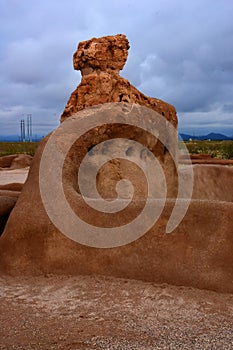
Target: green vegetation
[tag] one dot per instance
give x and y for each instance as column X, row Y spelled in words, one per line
column 217, row 149
column 7, row 148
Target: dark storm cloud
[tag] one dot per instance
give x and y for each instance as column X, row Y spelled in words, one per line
column 181, row 51
column 228, row 107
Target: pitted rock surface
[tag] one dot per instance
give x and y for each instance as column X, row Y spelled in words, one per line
column 100, row 61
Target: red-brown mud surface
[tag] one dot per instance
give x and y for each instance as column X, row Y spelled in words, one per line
column 58, row 312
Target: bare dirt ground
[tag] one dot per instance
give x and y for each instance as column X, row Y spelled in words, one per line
column 11, row 176
column 58, row 312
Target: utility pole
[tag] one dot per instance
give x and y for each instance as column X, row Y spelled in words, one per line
column 22, row 128
column 29, row 127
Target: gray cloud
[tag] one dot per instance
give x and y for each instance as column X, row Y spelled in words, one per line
column 180, row 52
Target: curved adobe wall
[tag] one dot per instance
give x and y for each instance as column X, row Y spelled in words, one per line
column 198, row 253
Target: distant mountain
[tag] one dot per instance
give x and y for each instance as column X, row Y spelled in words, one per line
column 218, row 137
column 9, row 138
column 185, row 137
column 16, row 138
column 211, row 136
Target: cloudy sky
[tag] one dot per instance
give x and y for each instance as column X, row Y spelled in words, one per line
column 181, row 52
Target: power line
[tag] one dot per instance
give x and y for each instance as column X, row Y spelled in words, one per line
column 29, row 127
column 22, row 125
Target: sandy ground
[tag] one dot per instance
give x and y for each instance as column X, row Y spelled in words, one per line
column 58, row 312
column 11, row 176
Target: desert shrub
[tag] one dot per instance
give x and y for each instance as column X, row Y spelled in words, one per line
column 217, row 149
column 7, row 148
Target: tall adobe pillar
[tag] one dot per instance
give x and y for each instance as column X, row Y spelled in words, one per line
column 100, row 61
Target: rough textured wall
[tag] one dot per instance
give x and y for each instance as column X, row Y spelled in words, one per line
column 198, row 253
column 100, row 60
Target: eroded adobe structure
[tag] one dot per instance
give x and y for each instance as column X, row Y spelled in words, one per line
column 100, row 61
column 197, row 253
